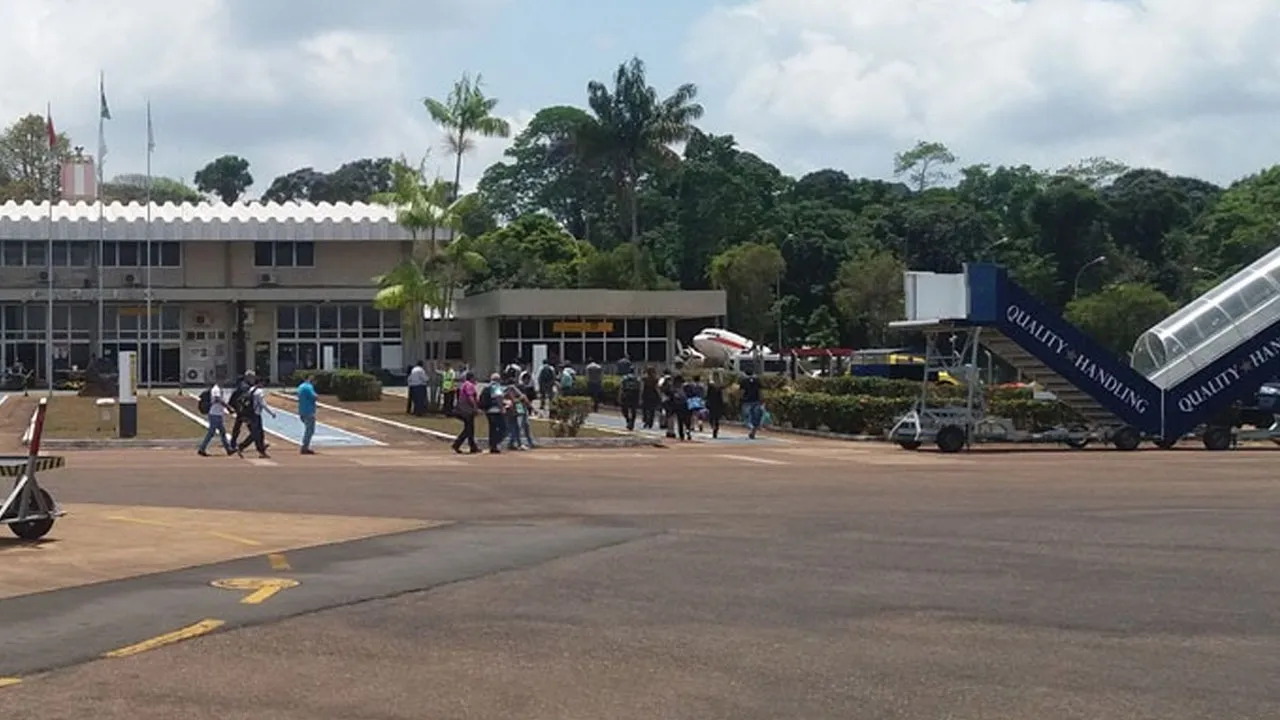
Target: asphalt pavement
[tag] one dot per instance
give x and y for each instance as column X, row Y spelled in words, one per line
column 804, row 580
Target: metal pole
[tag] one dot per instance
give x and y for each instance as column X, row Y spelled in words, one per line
column 151, row 371
column 48, row 313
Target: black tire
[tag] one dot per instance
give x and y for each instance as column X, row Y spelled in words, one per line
column 1217, row 438
column 1077, row 443
column 1166, row 443
column 1126, row 439
column 909, row 444
column 951, row 439
column 35, row 529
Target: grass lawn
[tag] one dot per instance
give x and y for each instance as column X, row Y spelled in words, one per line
column 76, row 418
column 391, row 407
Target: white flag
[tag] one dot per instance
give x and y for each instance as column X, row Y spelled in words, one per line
column 151, row 134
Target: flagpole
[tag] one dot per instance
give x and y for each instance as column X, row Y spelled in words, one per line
column 103, row 115
column 151, row 371
column 48, row 313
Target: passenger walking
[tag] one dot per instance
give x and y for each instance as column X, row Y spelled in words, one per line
column 307, row 413
column 515, row 406
column 665, row 390
column 213, row 404
column 449, row 383
column 257, row 432
column 546, row 383
column 695, row 402
column 491, row 400
column 650, row 398
column 752, row 406
column 466, row 411
column 417, row 383
column 679, row 408
column 239, row 404
column 595, row 383
column 715, row 403
column 629, row 398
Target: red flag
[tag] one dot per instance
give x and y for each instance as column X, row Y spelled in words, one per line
column 53, row 136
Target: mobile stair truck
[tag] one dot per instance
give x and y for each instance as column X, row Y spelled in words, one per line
column 1187, row 371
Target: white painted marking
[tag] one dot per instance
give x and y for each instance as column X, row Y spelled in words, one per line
column 205, row 423
column 262, row 462
column 748, row 458
column 375, row 418
column 3, row 399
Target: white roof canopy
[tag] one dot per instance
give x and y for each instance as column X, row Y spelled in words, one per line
column 203, row 222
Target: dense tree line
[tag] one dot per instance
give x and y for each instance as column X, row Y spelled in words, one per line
column 627, row 192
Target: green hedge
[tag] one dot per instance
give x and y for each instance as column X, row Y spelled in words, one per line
column 862, row 405
column 347, row 385
column 568, row 413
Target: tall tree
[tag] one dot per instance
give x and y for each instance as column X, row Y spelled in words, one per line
column 25, row 163
column 132, row 187
column 467, row 113
column 924, row 165
column 226, row 177
column 633, row 129
column 749, row 274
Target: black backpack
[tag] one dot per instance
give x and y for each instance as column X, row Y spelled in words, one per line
column 486, row 398
column 547, row 376
column 630, row 387
column 205, row 403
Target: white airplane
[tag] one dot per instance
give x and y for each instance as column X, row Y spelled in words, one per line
column 718, row 346
column 688, row 357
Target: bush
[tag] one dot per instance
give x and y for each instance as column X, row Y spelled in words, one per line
column 872, row 415
column 348, row 385
column 568, row 413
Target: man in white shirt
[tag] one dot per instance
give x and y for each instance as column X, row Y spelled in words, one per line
column 418, row 390
column 216, row 416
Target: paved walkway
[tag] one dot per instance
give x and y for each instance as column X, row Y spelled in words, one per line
column 289, row 426
column 612, row 420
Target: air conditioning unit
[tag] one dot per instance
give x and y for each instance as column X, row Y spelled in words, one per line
column 201, row 320
column 130, row 280
column 44, row 276
column 193, row 375
column 268, row 279
column 87, row 283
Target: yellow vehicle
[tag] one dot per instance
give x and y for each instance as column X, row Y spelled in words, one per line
column 895, row 364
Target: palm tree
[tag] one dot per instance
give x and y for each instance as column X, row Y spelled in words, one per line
column 409, row 287
column 465, row 114
column 633, row 130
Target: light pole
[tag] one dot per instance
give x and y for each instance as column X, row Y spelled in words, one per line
column 1075, row 293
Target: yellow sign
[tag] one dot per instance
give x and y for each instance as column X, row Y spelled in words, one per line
column 260, row 589
column 134, row 310
column 582, row 327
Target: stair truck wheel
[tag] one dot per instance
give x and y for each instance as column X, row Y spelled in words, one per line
column 1166, row 443
column 1126, row 438
column 34, row 529
column 951, row 439
column 1217, row 438
column 1077, row 443
column 909, row 444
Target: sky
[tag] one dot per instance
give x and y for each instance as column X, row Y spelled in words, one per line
column 1184, row 85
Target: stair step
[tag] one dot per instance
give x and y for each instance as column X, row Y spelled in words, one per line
column 1070, row 395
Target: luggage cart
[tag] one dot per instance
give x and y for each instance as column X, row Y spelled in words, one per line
column 29, row 510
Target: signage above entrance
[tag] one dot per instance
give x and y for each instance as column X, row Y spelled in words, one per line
column 582, row 327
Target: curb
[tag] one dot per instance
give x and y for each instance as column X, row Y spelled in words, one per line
column 118, row 444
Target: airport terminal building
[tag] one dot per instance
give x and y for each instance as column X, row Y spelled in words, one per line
column 204, row 291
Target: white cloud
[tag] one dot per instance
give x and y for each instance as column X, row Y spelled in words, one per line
column 231, row 76
column 1171, row 82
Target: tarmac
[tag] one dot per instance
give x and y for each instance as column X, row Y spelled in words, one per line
column 808, row 579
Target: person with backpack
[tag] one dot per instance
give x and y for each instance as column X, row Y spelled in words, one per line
column 239, row 404
column 546, row 383
column 695, row 403
column 515, row 407
column 213, row 405
column 595, row 383
column 629, row 398
column 567, row 379
column 650, row 398
column 257, row 431
column 466, row 410
column 491, row 403
column 715, row 403
column 752, row 402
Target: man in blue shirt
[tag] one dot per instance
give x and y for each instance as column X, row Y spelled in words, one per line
column 307, row 411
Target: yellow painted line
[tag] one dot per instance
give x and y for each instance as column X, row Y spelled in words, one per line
column 9, row 682
column 260, row 589
column 139, row 521
column 279, row 562
column 237, row 539
column 191, row 631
